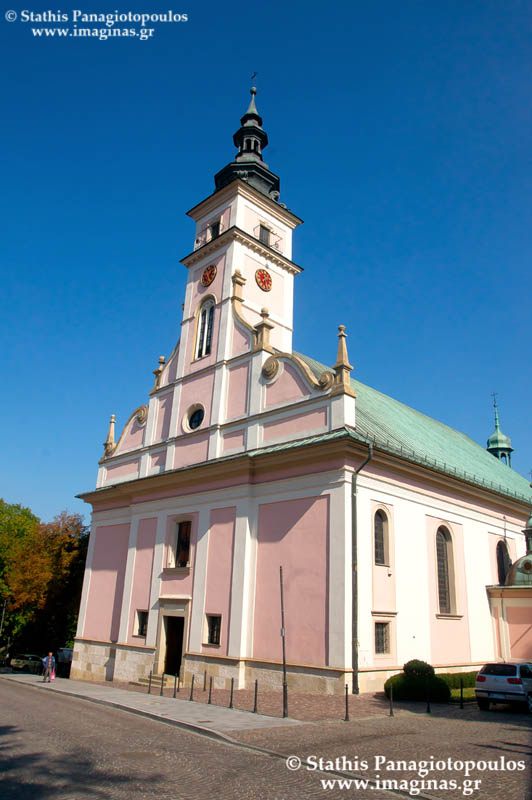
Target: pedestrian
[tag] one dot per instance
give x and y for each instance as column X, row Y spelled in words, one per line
column 48, row 663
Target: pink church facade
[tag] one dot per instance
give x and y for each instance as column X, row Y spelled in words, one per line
column 248, row 457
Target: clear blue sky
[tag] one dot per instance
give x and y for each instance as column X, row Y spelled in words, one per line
column 401, row 132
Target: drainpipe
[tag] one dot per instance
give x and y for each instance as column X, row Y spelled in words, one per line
column 354, row 556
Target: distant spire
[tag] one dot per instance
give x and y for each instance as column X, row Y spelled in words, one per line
column 498, row 444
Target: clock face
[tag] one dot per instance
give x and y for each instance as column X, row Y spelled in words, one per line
column 264, row 280
column 209, row 274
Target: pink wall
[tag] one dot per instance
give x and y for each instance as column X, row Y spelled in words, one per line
column 196, row 390
column 449, row 636
column 140, row 591
column 191, row 450
column 163, row 417
column 132, row 438
column 241, row 341
column 237, row 398
column 307, row 421
column 107, row 582
column 219, row 573
column 233, row 440
column 158, row 460
column 294, row 534
column 520, row 630
column 199, row 292
column 274, row 300
column 119, row 470
column 170, row 372
column 288, row 386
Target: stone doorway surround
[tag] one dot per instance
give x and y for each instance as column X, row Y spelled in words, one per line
column 171, row 607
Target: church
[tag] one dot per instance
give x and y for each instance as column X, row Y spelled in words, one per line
column 396, row 534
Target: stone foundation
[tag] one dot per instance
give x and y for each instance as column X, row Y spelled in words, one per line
column 102, row 661
column 312, row 680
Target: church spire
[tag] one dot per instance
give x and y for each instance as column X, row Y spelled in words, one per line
column 498, row 444
column 249, row 165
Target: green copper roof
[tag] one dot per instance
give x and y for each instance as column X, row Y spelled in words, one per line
column 401, row 430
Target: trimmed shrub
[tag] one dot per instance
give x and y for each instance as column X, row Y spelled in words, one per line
column 452, row 679
column 405, row 687
column 418, row 669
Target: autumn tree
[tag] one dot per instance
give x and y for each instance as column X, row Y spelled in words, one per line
column 41, row 575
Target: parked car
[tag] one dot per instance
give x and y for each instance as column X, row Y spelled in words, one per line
column 27, row 663
column 504, row 683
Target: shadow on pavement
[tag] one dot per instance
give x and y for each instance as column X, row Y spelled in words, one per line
column 27, row 776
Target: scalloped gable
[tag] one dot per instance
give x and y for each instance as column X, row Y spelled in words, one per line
column 290, row 385
column 132, row 436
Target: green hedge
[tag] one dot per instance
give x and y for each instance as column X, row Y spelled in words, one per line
column 406, row 687
column 452, row 679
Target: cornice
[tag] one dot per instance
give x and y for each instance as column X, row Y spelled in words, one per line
column 239, row 187
column 233, row 234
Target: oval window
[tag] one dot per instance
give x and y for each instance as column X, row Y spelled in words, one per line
column 196, row 418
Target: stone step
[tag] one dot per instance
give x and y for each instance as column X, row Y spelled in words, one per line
column 155, row 681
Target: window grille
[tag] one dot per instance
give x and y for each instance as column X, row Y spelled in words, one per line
column 382, row 637
column 214, row 625
column 380, row 525
column 442, row 556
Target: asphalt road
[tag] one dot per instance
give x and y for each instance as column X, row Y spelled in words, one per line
column 57, row 746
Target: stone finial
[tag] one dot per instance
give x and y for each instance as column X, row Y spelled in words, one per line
column 158, row 372
column 342, row 368
column 109, row 444
column 262, row 332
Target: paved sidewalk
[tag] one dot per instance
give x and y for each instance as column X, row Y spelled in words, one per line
column 186, row 714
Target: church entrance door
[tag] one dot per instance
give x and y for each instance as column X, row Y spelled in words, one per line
column 174, row 644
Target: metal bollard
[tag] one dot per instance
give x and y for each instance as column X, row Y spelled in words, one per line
column 192, row 688
column 346, row 718
column 210, row 690
column 391, row 699
column 205, row 680
column 231, row 695
column 162, row 686
column 256, row 694
column 149, row 683
column 178, row 682
column 175, row 683
column 428, row 697
column 461, row 693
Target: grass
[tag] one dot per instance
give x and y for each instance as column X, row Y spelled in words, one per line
column 469, row 694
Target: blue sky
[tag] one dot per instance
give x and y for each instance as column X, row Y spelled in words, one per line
column 401, row 133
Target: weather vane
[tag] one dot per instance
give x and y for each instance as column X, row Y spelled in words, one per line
column 254, row 76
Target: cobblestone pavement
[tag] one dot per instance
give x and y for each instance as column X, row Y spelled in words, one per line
column 447, row 733
column 500, row 737
column 56, row 746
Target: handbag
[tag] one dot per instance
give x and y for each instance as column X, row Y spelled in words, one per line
column 52, row 676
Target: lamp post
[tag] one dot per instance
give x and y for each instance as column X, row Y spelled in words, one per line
column 285, row 688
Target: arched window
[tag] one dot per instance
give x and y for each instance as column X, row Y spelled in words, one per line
column 205, row 324
column 503, row 562
column 444, row 559
column 380, row 529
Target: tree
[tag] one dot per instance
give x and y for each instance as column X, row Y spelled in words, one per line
column 24, row 567
column 41, row 575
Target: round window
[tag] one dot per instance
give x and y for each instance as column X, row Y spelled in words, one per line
column 196, row 418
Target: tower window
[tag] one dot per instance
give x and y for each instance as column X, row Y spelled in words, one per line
column 205, row 325
column 214, row 229
column 264, row 235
